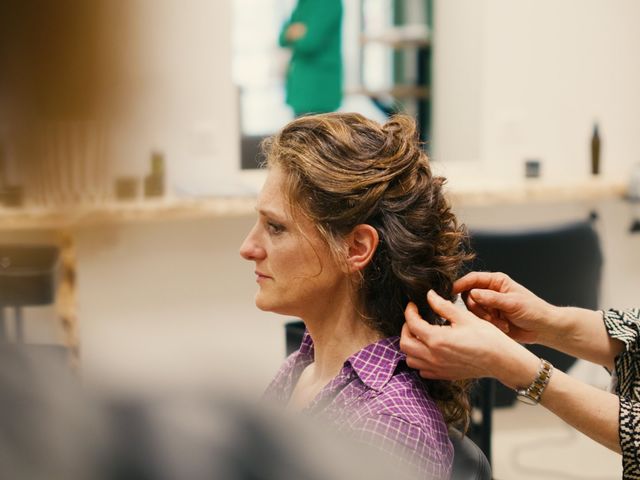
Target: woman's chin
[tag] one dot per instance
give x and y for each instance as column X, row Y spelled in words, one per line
column 264, row 304
column 269, row 306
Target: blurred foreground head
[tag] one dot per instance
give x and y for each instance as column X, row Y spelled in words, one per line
column 51, row 428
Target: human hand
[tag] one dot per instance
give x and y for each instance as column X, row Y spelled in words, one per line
column 467, row 348
column 296, row 31
column 500, row 300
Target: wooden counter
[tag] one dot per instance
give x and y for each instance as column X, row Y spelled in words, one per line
column 462, row 192
column 471, row 192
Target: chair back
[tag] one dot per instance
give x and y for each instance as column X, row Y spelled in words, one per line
column 469, row 462
column 28, row 274
column 28, row 278
column 561, row 264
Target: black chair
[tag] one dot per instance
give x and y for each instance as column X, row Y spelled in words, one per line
column 469, row 461
column 293, row 331
column 250, row 153
column 28, row 278
column 561, row 264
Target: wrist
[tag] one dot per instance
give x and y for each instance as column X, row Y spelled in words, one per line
column 518, row 367
column 559, row 326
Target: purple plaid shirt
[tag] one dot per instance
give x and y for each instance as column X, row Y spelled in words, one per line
column 380, row 400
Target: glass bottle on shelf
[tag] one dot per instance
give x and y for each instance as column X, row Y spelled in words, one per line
column 595, row 151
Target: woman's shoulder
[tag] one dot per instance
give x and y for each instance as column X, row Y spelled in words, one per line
column 406, row 392
column 396, row 389
column 409, row 422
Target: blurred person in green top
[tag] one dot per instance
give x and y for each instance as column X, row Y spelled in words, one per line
column 314, row 77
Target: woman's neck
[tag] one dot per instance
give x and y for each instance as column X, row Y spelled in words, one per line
column 335, row 339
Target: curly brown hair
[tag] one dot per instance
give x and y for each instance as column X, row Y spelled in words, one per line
column 342, row 170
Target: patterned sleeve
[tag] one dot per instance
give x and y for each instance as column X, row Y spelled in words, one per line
column 629, row 438
column 624, row 325
column 406, row 444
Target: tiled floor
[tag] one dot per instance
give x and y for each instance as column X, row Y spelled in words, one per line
column 529, row 443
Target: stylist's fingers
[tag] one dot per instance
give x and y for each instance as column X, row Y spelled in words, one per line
column 490, row 315
column 477, row 309
column 444, row 308
column 418, row 355
column 490, row 300
column 417, row 363
column 411, row 344
column 473, row 280
column 416, row 324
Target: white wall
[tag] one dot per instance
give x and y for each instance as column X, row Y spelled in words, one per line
column 179, row 95
column 527, row 79
column 172, row 303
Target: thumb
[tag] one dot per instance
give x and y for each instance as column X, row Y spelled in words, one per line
column 444, row 308
column 417, row 325
column 492, row 299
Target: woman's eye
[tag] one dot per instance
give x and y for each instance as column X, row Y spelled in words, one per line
column 275, row 228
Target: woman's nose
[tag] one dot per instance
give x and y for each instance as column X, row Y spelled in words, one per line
column 250, row 249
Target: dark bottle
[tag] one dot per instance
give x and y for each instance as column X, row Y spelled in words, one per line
column 595, row 151
column 154, row 182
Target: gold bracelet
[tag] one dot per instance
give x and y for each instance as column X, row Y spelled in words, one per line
column 531, row 394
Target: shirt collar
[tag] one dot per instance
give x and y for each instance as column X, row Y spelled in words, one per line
column 375, row 364
column 306, row 350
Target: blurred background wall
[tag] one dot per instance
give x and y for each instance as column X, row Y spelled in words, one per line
column 528, row 79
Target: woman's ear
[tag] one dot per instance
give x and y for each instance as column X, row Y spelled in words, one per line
column 362, row 243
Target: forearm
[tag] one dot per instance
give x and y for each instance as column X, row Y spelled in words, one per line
column 581, row 333
column 590, row 410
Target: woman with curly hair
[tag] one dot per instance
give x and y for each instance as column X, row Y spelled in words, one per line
column 352, row 226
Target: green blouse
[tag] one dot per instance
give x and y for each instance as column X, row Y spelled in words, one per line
column 314, row 76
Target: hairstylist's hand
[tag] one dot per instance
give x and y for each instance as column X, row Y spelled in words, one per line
column 467, row 348
column 515, row 310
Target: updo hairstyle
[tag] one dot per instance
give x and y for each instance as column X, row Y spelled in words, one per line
column 342, row 170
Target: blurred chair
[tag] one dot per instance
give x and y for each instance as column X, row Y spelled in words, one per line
column 28, row 277
column 469, row 461
column 250, row 153
column 294, row 332
column 561, row 264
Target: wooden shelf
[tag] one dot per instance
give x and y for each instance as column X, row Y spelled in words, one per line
column 476, row 192
column 462, row 191
column 167, row 209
